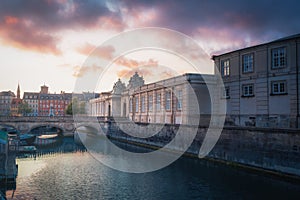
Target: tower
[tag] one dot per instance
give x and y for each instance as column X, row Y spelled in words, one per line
column 44, row 89
column 18, row 91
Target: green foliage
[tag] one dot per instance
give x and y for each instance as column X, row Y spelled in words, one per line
column 76, row 107
column 24, row 109
column 69, row 110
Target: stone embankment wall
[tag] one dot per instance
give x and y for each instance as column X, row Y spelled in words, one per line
column 269, row 149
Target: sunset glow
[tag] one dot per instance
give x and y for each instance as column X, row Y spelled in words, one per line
column 48, row 41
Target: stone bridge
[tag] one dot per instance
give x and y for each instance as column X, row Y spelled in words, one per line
column 65, row 124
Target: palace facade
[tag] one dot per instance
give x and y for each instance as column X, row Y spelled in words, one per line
column 262, row 89
column 175, row 100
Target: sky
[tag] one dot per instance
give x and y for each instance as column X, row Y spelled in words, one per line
column 49, row 41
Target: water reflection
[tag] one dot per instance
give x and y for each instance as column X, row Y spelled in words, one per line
column 67, row 171
column 30, row 163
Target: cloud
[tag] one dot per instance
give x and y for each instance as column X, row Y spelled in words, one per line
column 21, row 34
column 84, row 70
column 250, row 22
column 105, row 52
column 86, row 49
column 111, row 23
column 147, row 68
column 150, row 74
column 132, row 63
column 35, row 25
column 10, row 20
column 64, row 65
column 214, row 42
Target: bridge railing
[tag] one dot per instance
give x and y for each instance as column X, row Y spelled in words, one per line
column 35, row 118
column 44, row 118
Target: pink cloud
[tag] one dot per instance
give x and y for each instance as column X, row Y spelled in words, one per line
column 20, row 33
column 105, row 52
column 132, row 63
column 81, row 71
column 221, row 40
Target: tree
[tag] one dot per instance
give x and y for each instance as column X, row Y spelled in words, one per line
column 24, row 109
column 82, row 108
column 69, row 110
column 76, row 107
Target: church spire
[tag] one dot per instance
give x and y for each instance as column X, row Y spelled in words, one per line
column 18, row 91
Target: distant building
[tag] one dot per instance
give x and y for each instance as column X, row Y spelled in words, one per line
column 14, row 109
column 6, row 98
column 56, row 104
column 50, row 104
column 262, row 84
column 32, row 99
column 41, row 103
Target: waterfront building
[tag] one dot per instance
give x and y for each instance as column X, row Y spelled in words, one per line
column 51, row 104
column 67, row 98
column 56, row 104
column 32, row 99
column 262, row 89
column 14, row 109
column 108, row 103
column 41, row 103
column 165, row 101
column 101, row 106
column 5, row 102
column 262, row 84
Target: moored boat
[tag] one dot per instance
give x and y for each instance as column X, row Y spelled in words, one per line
column 27, row 139
column 47, row 139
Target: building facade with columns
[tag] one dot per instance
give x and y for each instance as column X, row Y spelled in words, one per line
column 107, row 104
column 262, row 89
column 172, row 101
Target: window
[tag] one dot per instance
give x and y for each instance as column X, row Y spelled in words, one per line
column 225, row 67
column 137, row 104
column 150, row 103
column 158, row 98
column 226, row 93
column 130, row 105
column 168, row 100
column 248, row 90
column 248, row 63
column 179, row 100
column 278, row 58
column 143, row 103
column 279, row 87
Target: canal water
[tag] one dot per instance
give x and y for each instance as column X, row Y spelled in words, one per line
column 69, row 172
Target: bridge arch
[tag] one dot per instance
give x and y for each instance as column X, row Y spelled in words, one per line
column 89, row 128
column 8, row 126
column 47, row 125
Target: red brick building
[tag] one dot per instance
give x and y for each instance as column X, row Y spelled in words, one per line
column 52, row 104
